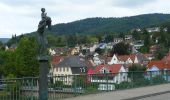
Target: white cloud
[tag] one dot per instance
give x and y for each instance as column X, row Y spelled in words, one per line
column 22, row 16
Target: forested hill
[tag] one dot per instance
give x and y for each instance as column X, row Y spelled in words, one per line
column 4, row 40
column 110, row 25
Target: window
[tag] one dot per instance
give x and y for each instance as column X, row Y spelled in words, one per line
column 82, row 70
column 56, row 69
column 60, row 69
column 104, row 71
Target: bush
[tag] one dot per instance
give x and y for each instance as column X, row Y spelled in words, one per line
column 140, row 82
column 123, row 85
column 158, row 79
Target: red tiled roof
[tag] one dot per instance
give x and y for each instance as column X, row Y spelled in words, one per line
column 125, row 57
column 159, row 64
column 56, row 60
column 112, row 68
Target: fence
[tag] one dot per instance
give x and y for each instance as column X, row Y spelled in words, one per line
column 74, row 85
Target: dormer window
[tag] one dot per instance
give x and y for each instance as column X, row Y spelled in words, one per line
column 104, row 71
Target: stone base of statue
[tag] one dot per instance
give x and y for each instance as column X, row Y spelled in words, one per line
column 43, row 79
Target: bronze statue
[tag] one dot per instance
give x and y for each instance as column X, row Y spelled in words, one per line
column 45, row 21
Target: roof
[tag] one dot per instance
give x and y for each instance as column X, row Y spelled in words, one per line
column 72, row 61
column 56, row 60
column 125, row 57
column 159, row 64
column 112, row 68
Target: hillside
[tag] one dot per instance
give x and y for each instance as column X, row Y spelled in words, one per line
column 110, row 25
column 4, row 40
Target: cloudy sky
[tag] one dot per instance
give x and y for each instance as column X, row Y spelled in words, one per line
column 22, row 16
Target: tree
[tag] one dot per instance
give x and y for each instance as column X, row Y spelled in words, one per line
column 137, row 68
column 100, row 51
column 121, row 49
column 26, row 58
column 8, row 63
column 136, row 35
column 1, row 46
column 136, row 73
column 161, row 52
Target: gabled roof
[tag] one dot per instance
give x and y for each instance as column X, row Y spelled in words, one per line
column 159, row 64
column 126, row 57
column 72, row 61
column 56, row 60
column 115, row 68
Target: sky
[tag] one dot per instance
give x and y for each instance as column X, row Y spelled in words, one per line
column 22, row 16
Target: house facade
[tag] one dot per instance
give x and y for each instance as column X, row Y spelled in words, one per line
column 72, row 65
column 115, row 73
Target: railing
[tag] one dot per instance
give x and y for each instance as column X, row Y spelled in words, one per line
column 74, row 85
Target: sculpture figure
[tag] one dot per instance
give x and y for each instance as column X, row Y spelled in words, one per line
column 45, row 21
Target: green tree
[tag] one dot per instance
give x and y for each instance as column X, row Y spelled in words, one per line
column 136, row 35
column 137, row 68
column 26, row 58
column 121, row 49
column 161, row 52
column 136, row 74
column 8, row 63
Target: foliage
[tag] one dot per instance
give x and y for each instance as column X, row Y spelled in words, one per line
column 137, row 82
column 161, row 52
column 58, row 84
column 8, row 63
column 110, row 25
column 79, row 81
column 123, row 85
column 26, row 57
column 136, row 74
column 158, row 79
column 22, row 62
column 137, row 68
column 100, row 51
column 121, row 49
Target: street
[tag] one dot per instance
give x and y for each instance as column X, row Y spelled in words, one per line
column 165, row 96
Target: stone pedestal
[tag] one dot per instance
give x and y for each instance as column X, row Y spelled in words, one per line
column 43, row 79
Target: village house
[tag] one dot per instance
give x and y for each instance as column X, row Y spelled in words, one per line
column 74, row 51
column 107, row 75
column 52, row 52
column 160, row 66
column 72, row 65
column 117, row 40
column 138, row 44
column 128, row 38
column 154, row 29
column 153, row 49
column 129, row 59
column 93, row 47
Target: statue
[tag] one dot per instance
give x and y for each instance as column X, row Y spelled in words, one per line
column 45, row 21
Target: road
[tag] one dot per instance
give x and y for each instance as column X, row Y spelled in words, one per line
column 165, row 96
column 162, row 93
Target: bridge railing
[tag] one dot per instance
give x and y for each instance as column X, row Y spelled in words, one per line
column 74, row 85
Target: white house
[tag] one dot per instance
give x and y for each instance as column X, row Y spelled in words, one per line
column 52, row 52
column 118, row 40
column 117, row 74
column 96, row 59
column 114, row 60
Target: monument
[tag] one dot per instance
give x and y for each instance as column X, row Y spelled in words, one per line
column 43, row 55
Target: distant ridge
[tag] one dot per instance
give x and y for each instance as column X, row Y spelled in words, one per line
column 110, row 25
column 4, row 40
